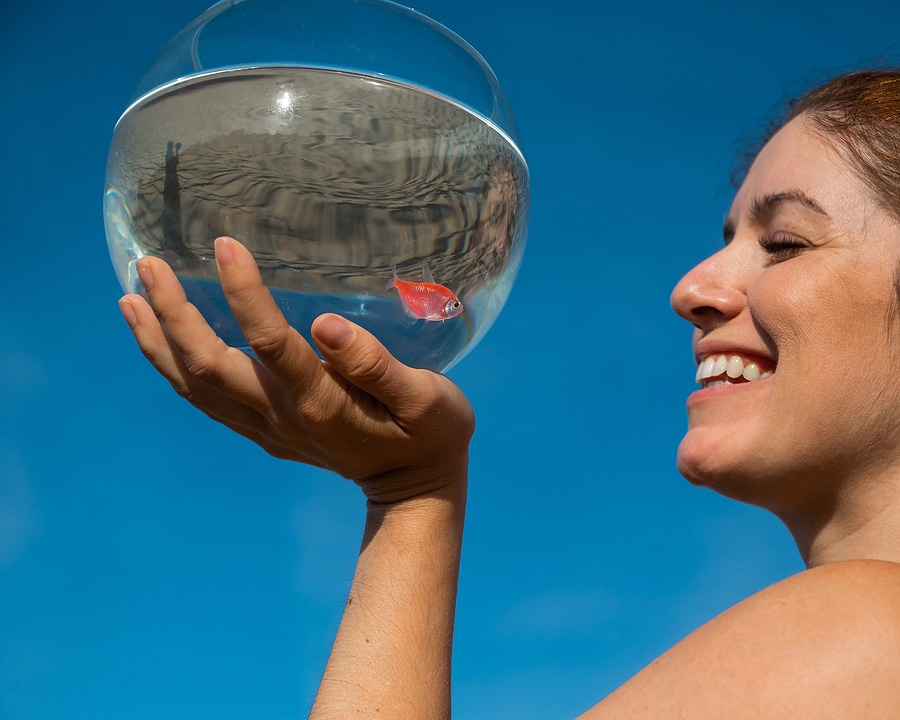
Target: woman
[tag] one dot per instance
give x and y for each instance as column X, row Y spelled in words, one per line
column 797, row 342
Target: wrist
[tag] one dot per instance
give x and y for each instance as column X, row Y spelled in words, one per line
column 411, row 488
column 440, row 509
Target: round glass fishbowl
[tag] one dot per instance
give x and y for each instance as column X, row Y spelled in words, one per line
column 364, row 154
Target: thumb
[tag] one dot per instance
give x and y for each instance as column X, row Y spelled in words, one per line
column 358, row 356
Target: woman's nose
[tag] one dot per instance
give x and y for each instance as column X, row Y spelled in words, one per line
column 709, row 294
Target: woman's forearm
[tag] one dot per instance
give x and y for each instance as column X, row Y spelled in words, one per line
column 400, row 433
column 392, row 654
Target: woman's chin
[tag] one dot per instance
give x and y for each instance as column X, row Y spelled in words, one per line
column 707, row 459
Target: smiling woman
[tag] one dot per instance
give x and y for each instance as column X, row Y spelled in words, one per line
column 798, row 412
column 805, row 280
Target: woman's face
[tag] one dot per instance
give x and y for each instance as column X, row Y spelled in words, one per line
column 803, row 296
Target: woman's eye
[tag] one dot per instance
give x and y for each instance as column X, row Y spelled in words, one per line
column 780, row 246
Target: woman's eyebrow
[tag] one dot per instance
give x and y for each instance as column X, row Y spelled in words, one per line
column 764, row 206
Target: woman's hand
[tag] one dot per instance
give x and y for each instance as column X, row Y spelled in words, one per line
column 397, row 431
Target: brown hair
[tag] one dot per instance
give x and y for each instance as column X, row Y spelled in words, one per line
column 859, row 114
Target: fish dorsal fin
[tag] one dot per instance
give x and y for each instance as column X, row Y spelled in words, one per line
column 426, row 273
column 393, row 281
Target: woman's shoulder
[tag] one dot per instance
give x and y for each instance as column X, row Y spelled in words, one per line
column 824, row 643
column 852, row 607
column 838, row 587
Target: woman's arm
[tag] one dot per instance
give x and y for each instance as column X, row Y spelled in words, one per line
column 391, row 657
column 824, row 644
column 400, row 433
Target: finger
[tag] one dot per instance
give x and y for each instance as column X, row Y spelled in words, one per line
column 279, row 347
column 418, row 400
column 234, row 415
column 155, row 346
column 359, row 357
column 204, row 355
column 153, row 342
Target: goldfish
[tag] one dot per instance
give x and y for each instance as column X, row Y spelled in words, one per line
column 425, row 300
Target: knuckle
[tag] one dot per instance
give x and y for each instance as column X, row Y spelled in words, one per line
column 182, row 389
column 281, row 429
column 189, row 392
column 318, row 416
column 428, row 398
column 313, row 417
column 151, row 354
column 269, row 341
column 369, row 365
column 202, row 366
column 448, row 410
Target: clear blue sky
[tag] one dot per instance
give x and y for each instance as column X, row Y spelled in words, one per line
column 153, row 565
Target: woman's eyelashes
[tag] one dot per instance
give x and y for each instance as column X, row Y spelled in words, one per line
column 782, row 246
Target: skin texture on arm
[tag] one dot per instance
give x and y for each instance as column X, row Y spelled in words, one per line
column 400, row 433
column 391, row 657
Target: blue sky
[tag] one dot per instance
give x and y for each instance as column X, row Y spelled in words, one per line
column 154, row 565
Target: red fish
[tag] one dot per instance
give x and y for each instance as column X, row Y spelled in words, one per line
column 426, row 299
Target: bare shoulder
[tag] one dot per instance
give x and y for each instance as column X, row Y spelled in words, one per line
column 838, row 589
column 824, row 643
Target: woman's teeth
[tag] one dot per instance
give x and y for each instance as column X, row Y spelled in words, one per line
column 718, row 369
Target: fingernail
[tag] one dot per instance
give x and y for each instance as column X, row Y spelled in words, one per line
column 127, row 310
column 334, row 332
column 145, row 274
column 224, row 252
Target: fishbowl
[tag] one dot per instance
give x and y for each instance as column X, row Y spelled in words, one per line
column 364, row 154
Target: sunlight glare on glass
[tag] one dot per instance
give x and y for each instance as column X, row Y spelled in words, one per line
column 380, row 179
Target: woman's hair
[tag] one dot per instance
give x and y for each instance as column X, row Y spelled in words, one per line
column 858, row 113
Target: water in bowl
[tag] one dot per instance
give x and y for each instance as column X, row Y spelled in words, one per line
column 330, row 178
